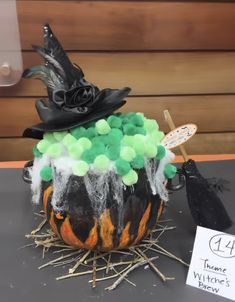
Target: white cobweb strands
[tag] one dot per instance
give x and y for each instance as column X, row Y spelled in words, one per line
column 160, row 178
column 151, row 166
column 59, row 201
column 155, row 174
column 97, row 186
column 36, row 184
column 116, row 185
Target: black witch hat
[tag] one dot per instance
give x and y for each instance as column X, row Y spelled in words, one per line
column 72, row 101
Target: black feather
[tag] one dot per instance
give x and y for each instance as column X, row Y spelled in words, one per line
column 46, row 75
column 51, row 62
column 54, row 48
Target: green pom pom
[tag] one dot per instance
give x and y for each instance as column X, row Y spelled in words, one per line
column 129, row 129
column 85, row 143
column 125, row 121
column 114, row 121
column 128, row 140
column 161, row 152
column 138, row 162
column 131, row 114
column 89, row 156
column 139, row 147
column 140, row 137
column 101, row 163
column 54, row 150
column 43, row 145
column 102, row 127
column 68, row 140
column 36, row 152
column 150, row 150
column 104, row 139
column 170, row 171
column 114, row 137
column 122, row 167
column 78, row 132
column 48, row 136
column 140, row 130
column 98, row 147
column 141, row 115
column 137, row 120
column 60, row 135
column 117, row 132
column 80, row 168
column 157, row 136
column 130, row 178
column 113, row 152
column 91, row 132
column 96, row 139
column 127, row 153
column 150, row 125
column 46, row 173
column 75, row 150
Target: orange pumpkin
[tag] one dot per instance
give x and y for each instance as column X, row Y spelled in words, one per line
column 115, row 227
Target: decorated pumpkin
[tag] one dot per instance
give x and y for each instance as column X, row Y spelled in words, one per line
column 101, row 176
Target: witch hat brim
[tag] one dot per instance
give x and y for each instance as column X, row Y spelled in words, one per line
column 63, row 119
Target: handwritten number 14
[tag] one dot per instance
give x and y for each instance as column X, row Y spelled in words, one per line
column 219, row 248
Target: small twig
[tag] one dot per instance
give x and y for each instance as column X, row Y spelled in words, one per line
column 58, row 259
column 114, row 275
column 90, row 271
column 36, row 236
column 160, row 274
column 39, row 214
column 107, row 266
column 125, row 274
column 73, row 269
column 108, row 262
column 161, row 233
column 95, row 257
column 94, row 272
column 171, row 125
column 164, row 220
column 40, row 226
column 172, row 255
column 24, row 246
column 164, row 229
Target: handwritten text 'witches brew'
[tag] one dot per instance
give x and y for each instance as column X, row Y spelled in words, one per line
column 208, row 280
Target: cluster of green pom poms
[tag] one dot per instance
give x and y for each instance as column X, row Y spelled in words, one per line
column 121, row 141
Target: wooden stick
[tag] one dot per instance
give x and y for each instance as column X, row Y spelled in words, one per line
column 171, row 125
column 80, row 261
column 113, row 268
column 159, row 273
column 125, row 274
column 58, row 259
column 40, row 226
column 94, row 272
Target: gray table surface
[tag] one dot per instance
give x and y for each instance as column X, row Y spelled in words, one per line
column 20, row 279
